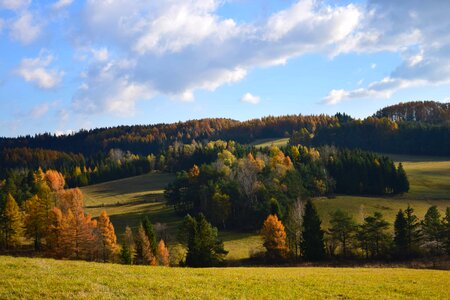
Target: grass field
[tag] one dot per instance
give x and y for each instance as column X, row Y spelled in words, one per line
column 27, row 278
column 128, row 200
column 270, row 142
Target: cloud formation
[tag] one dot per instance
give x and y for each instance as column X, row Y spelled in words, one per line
column 37, row 71
column 418, row 30
column 249, row 98
column 177, row 47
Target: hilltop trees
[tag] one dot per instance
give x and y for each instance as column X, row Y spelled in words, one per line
column 274, row 237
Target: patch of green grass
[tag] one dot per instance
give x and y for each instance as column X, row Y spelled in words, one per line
column 26, row 278
column 270, row 142
column 359, row 207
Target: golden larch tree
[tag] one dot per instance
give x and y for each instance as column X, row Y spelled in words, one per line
column 12, row 222
column 274, row 236
column 55, row 180
column 108, row 239
column 162, row 254
column 144, row 254
column 55, row 232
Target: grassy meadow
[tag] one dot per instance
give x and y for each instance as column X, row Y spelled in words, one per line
column 128, row 200
column 26, row 278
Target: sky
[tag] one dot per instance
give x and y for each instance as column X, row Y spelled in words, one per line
column 67, row 65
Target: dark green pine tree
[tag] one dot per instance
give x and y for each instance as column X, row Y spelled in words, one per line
column 312, row 244
column 343, row 228
column 401, row 183
column 150, row 232
column 432, row 229
column 412, row 232
column 400, row 235
column 125, row 254
column 204, row 249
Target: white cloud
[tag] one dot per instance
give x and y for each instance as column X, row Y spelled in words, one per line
column 61, row 4
column 177, row 47
column 14, row 4
column 373, row 66
column 421, row 36
column 25, row 29
column 249, row 98
column 35, row 70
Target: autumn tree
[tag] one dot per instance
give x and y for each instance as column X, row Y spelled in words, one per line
column 294, row 226
column 144, row 253
column 55, row 231
column 162, row 254
column 55, row 180
column 342, row 229
column 129, row 241
column 274, row 237
column 108, row 237
column 36, row 219
column 12, row 226
column 312, row 243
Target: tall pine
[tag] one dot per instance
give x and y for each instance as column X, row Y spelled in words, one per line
column 312, row 244
column 400, row 235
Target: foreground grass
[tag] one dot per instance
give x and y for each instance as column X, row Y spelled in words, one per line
column 25, row 278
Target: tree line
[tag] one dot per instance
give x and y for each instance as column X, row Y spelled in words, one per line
column 98, row 155
column 53, row 219
column 304, row 236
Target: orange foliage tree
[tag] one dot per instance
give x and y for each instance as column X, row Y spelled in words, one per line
column 108, row 239
column 162, row 254
column 144, row 254
column 274, row 238
column 55, row 180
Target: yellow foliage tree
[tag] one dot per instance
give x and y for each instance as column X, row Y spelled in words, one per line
column 274, row 238
column 108, row 239
column 55, row 231
column 162, row 254
column 36, row 219
column 12, row 223
column 144, row 254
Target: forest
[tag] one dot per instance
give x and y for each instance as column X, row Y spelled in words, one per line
column 223, row 182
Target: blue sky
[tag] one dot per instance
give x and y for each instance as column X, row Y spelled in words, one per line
column 67, row 64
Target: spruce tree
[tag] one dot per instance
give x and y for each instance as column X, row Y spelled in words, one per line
column 401, row 183
column 150, row 232
column 204, row 249
column 412, row 232
column 312, row 244
column 432, row 230
column 125, row 254
column 400, row 234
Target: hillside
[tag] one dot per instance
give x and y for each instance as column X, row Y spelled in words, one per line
column 128, row 200
column 25, row 278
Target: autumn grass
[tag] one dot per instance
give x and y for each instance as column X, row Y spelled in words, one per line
column 26, row 278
